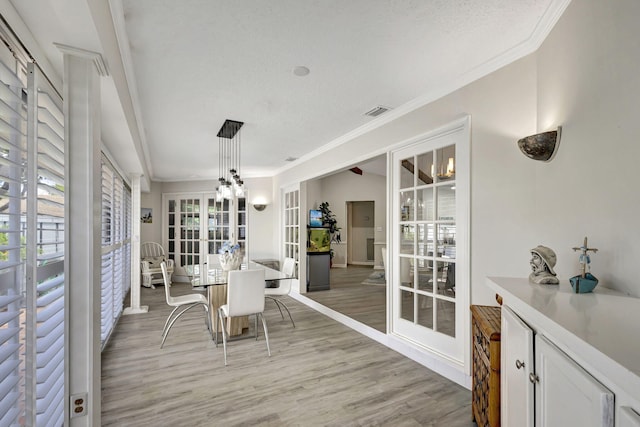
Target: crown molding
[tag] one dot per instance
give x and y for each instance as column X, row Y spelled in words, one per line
column 119, row 26
column 97, row 59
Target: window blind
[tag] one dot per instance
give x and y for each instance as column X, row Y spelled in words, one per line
column 13, row 158
column 48, row 251
column 116, row 247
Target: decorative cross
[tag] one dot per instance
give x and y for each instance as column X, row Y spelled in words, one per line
column 584, row 256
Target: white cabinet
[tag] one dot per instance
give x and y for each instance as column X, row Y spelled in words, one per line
column 565, row 394
column 590, row 356
column 517, row 392
column 627, row 417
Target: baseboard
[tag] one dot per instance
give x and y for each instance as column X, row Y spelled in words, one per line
column 362, row 263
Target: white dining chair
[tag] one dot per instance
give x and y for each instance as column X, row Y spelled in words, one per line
column 245, row 297
column 284, row 288
column 186, row 302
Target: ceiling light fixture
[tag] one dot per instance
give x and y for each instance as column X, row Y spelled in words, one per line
column 230, row 183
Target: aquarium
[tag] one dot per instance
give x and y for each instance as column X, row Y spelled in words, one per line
column 319, row 240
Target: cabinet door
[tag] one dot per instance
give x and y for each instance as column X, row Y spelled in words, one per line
column 628, row 417
column 566, row 395
column 516, row 391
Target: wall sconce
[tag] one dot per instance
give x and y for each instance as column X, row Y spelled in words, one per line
column 541, row 146
column 259, row 206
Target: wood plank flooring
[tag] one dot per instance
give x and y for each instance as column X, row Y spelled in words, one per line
column 320, row 374
column 347, row 295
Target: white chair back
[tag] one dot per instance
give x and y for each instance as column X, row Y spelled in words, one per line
column 289, row 266
column 151, row 250
column 167, row 282
column 245, row 292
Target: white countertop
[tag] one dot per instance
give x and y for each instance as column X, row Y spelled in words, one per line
column 600, row 329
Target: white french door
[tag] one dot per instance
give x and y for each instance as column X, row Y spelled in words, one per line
column 196, row 225
column 429, row 241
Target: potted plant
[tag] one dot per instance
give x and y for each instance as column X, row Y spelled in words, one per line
column 329, row 220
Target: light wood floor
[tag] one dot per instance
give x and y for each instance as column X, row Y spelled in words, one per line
column 320, row 374
column 347, row 295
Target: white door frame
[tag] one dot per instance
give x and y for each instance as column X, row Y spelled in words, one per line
column 454, row 351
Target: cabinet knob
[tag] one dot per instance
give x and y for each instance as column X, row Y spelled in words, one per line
column 519, row 364
column 533, row 378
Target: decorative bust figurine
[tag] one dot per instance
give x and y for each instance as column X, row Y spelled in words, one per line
column 543, row 259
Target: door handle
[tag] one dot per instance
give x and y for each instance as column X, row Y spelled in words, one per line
column 533, row 378
column 519, row 364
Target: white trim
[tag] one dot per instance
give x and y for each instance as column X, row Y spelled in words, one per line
column 119, row 27
column 454, row 348
column 95, row 57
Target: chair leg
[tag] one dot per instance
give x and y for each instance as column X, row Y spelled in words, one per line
column 168, row 319
column 275, row 300
column 278, row 302
column 256, row 326
column 266, row 333
column 224, row 336
column 166, row 333
column 206, row 313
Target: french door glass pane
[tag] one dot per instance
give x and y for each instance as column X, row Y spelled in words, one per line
column 406, row 305
column 446, row 196
column 406, row 173
column 425, row 311
column 424, row 201
column 446, row 315
column 406, row 205
column 407, row 235
column 425, row 275
column 425, row 168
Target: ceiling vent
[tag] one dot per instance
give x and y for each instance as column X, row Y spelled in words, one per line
column 375, row 112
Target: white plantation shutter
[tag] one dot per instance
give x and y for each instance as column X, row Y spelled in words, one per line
column 106, row 313
column 116, row 247
column 45, row 229
column 13, row 159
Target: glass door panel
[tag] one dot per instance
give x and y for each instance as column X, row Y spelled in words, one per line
column 427, row 305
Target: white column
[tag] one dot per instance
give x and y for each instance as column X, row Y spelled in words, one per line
column 135, row 249
column 81, row 95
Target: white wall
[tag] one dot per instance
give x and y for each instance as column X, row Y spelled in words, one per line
column 589, row 81
column 342, row 187
column 263, row 242
column 585, row 77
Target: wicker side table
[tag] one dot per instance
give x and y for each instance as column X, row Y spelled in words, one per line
column 485, row 391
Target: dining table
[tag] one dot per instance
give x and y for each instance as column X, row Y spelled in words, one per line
column 215, row 282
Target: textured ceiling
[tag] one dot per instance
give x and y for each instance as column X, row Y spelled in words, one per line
column 192, row 64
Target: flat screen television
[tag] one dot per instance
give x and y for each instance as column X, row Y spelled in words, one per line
column 315, row 218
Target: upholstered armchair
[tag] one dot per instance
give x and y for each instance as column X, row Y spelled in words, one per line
column 151, row 256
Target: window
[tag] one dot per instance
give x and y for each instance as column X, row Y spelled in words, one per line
column 291, row 222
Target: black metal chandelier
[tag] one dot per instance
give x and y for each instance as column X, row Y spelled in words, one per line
column 230, row 184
